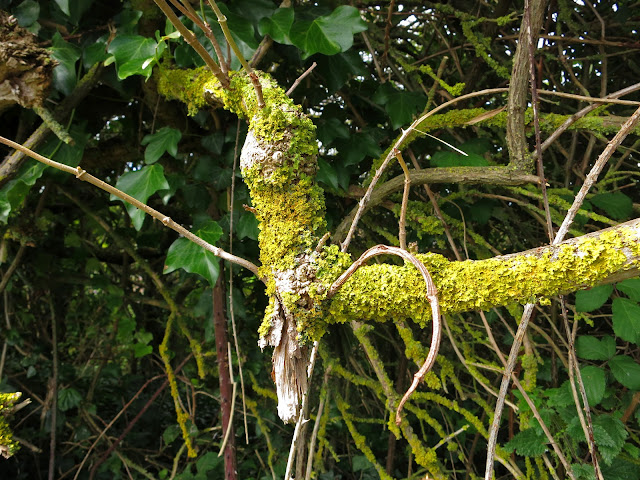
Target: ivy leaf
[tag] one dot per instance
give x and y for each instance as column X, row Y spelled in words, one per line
column 67, row 54
column 617, row 205
column 592, row 299
column 626, row 319
column 133, row 55
column 141, row 184
column 331, row 129
column 185, row 254
column 327, row 174
column 27, row 13
column 247, row 227
column 631, row 288
column 590, row 348
column 527, row 443
column 68, row 398
column 64, row 6
column 626, row 371
column 402, row 106
column 329, row 34
column 359, row 146
column 594, row 383
column 164, row 140
column 278, row 26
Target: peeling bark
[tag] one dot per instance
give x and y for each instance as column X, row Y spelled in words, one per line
column 25, row 69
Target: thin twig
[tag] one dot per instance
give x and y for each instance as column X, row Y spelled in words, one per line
column 86, row 177
column 222, row 20
column 227, row 433
column 432, row 297
column 231, row 310
column 402, row 230
column 535, row 102
column 300, row 78
column 316, row 426
column 436, row 208
column 193, row 42
column 54, row 386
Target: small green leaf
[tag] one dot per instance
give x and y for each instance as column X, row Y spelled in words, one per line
column 68, row 398
column 609, row 434
column 357, row 148
column 594, row 383
column 583, row 471
column 592, row 299
column 141, row 184
column 527, row 443
column 278, row 25
column 131, row 52
column 213, row 142
column 626, row 319
column 207, row 462
column 617, row 205
column 164, row 140
column 331, row 129
column 626, row 371
column 141, row 349
column 361, row 463
column 170, row 433
column 631, row 288
column 193, row 258
column 590, row 348
column 329, row 34
column 67, row 54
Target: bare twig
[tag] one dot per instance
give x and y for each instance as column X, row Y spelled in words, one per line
column 432, row 297
column 54, row 386
column 402, row 235
column 86, row 177
column 193, row 42
column 222, row 20
column 300, row 78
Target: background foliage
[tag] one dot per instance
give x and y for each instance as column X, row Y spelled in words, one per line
column 84, row 263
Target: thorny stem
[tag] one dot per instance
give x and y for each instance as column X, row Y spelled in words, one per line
column 402, row 230
column 86, row 177
column 432, row 297
column 193, row 42
column 222, row 20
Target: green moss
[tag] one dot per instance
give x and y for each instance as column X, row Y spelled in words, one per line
column 382, row 292
column 8, row 446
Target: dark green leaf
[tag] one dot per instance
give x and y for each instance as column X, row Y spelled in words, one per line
column 358, row 147
column 626, row 371
column 207, row 462
column 141, row 184
column 278, row 25
column 193, row 258
column 590, row 348
column 247, row 226
column 27, row 13
column 331, row 129
column 329, row 34
column 213, row 142
column 132, row 54
column 594, row 383
column 609, row 434
column 583, row 472
column 626, row 319
column 164, row 140
column 338, row 69
column 171, row 433
column 94, row 53
column 67, row 54
column 561, row 396
column 327, row 174
column 360, row 463
column 68, row 398
column 402, row 106
column 64, row 6
column 527, row 443
column 617, row 205
column 592, row 299
column 631, row 288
